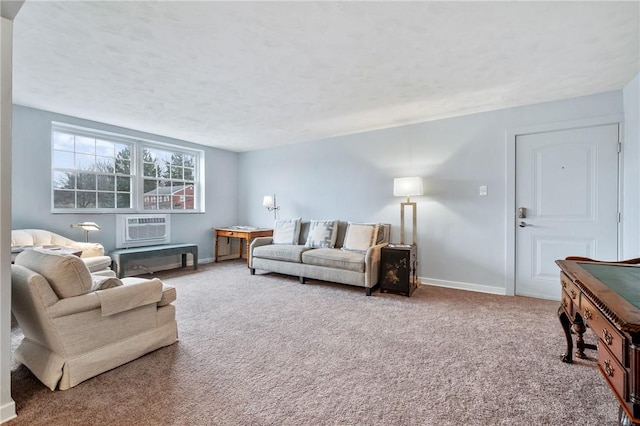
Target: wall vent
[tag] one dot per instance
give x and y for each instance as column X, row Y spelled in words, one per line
column 142, row 230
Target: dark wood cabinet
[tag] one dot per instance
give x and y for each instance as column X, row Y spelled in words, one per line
column 398, row 269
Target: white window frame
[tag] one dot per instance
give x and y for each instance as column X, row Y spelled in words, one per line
column 136, row 170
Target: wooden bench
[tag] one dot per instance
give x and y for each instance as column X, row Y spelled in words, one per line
column 121, row 257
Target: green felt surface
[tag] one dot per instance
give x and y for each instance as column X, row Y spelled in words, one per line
column 624, row 280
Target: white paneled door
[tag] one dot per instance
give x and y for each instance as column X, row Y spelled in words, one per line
column 566, row 203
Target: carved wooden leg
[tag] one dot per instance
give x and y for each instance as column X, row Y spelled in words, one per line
column 566, row 327
column 368, row 291
column 579, row 328
column 623, row 418
column 253, row 271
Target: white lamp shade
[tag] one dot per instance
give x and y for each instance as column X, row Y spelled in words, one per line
column 407, row 186
column 267, row 201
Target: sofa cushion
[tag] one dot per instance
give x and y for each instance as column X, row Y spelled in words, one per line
column 360, row 236
column 334, row 258
column 322, row 234
column 285, row 252
column 67, row 274
column 286, row 231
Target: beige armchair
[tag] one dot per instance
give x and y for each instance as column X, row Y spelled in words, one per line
column 77, row 325
column 92, row 253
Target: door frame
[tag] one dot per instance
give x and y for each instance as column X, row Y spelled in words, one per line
column 510, row 198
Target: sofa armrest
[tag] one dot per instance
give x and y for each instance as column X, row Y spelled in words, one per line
column 372, row 265
column 88, row 249
column 257, row 242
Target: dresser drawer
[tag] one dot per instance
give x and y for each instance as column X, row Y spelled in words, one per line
column 607, row 334
column 613, row 372
column 570, row 289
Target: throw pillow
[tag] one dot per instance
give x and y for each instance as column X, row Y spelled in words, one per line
column 360, row 236
column 103, row 283
column 322, row 234
column 286, row 231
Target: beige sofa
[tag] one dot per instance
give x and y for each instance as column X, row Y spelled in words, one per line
column 92, row 253
column 325, row 264
column 77, row 325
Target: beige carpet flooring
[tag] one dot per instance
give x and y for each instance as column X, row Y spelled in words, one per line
column 266, row 350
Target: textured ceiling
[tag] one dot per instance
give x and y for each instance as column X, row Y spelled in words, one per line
column 244, row 75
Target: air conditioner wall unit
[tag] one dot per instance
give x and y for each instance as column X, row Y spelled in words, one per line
column 142, row 230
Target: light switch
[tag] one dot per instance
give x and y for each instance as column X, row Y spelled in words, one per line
column 483, row 190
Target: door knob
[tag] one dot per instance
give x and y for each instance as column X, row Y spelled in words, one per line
column 522, row 224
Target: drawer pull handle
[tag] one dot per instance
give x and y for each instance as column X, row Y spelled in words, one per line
column 608, row 368
column 573, row 294
column 587, row 314
column 564, row 303
column 564, row 285
column 607, row 337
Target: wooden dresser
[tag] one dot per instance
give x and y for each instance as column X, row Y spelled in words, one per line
column 605, row 297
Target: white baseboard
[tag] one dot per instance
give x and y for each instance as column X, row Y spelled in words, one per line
column 8, row 412
column 463, row 286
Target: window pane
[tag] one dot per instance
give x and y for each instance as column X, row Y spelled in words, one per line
column 189, row 161
column 85, row 145
column 64, row 180
column 105, row 164
column 63, row 141
column 106, row 183
column 86, row 181
column 189, row 203
column 85, row 162
column 123, row 151
column 150, row 186
column 149, row 170
column 188, row 174
column 64, row 199
column 104, row 148
column 63, row 160
column 123, row 166
column 106, row 200
column 86, row 200
column 177, row 159
column 176, row 172
column 123, row 201
column 123, row 184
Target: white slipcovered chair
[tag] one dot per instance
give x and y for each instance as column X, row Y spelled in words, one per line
column 77, row 325
column 92, row 253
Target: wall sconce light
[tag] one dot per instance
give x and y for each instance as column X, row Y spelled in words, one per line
column 406, row 187
column 86, row 227
column 269, row 202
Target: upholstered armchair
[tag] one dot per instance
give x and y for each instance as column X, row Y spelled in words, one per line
column 92, row 253
column 77, row 325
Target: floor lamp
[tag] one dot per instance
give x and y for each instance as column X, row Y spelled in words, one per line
column 406, row 187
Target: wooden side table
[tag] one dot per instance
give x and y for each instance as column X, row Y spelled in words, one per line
column 398, row 269
column 245, row 234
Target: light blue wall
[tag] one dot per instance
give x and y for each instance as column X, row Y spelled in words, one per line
column 462, row 236
column 32, row 187
column 631, row 170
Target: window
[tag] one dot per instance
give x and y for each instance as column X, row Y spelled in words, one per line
column 102, row 172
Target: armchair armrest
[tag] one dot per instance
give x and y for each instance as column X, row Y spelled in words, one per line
column 111, row 301
column 372, row 265
column 129, row 296
column 74, row 305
